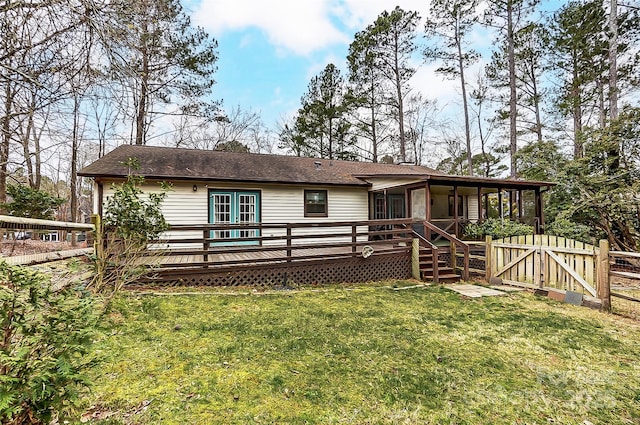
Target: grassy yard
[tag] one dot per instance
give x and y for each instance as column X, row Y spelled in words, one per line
column 363, row 355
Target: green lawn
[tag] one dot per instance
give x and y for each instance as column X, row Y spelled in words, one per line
column 363, row 355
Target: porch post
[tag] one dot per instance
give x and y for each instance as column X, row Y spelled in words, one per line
column 500, row 207
column 480, row 204
column 520, row 214
column 427, row 209
column 539, row 212
column 456, row 218
column 386, row 212
column 511, row 205
column 407, row 204
column 486, row 206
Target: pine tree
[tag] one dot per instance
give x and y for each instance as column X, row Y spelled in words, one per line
column 161, row 61
column 508, row 17
column 321, row 129
column 366, row 91
column 394, row 42
column 450, row 23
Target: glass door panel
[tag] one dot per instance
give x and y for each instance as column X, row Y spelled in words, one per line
column 234, row 207
column 221, row 213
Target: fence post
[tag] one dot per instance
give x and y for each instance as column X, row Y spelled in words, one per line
column 98, row 239
column 288, row 242
column 354, row 238
column 604, row 289
column 454, row 256
column 415, row 259
column 205, row 246
column 488, row 259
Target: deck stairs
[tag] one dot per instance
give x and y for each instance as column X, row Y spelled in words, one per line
column 446, row 274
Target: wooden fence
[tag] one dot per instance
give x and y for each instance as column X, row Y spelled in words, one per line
column 30, row 235
column 625, row 282
column 610, row 278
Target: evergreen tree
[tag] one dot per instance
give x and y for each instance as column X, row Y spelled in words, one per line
column 450, row 23
column 579, row 50
column 605, row 183
column 366, row 91
column 508, row 17
column 394, row 42
column 321, row 129
column 161, row 61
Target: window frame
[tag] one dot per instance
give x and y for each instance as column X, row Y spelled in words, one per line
column 326, row 203
column 460, row 206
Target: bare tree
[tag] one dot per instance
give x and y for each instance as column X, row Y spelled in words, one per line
column 421, row 122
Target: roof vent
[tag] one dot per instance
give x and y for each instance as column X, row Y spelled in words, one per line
column 318, row 164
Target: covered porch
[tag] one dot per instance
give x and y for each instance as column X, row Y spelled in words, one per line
column 452, row 202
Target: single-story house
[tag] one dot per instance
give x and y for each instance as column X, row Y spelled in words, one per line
column 228, row 187
column 244, row 218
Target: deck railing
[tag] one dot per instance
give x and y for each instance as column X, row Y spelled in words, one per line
column 220, row 245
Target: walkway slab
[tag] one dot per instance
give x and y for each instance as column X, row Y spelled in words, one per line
column 474, row 291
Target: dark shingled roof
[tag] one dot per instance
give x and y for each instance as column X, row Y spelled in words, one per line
column 164, row 163
column 174, row 163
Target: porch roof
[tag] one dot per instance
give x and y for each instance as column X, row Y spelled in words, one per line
column 467, row 181
column 165, row 163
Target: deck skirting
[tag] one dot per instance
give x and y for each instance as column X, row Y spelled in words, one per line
column 383, row 266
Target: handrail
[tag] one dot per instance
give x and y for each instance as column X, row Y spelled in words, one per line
column 245, row 226
column 279, row 242
column 434, row 253
column 453, row 240
column 8, row 222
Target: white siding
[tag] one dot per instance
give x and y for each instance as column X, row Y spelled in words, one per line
column 472, row 212
column 280, row 204
column 286, row 205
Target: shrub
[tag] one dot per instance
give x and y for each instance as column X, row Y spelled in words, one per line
column 32, row 203
column 132, row 216
column 43, row 346
column 497, row 229
column 132, row 220
column 568, row 229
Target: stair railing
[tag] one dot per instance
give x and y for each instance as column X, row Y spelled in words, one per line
column 434, row 253
column 453, row 241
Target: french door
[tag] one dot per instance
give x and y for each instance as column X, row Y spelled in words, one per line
column 235, row 207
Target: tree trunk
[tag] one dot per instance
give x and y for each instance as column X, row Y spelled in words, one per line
column 513, row 141
column 26, row 137
column 144, row 94
column 5, row 141
column 465, row 107
column 576, row 112
column 374, row 138
column 396, row 70
column 536, row 105
column 613, row 57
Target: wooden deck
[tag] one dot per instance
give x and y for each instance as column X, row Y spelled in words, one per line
column 262, row 253
column 236, row 256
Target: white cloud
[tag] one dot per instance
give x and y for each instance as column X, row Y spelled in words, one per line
column 300, row 26
column 360, row 13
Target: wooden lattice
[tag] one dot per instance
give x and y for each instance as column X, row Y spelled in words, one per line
column 374, row 268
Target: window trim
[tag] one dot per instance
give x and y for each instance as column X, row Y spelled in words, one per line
column 326, row 203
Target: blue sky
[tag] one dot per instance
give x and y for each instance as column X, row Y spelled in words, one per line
column 270, row 49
